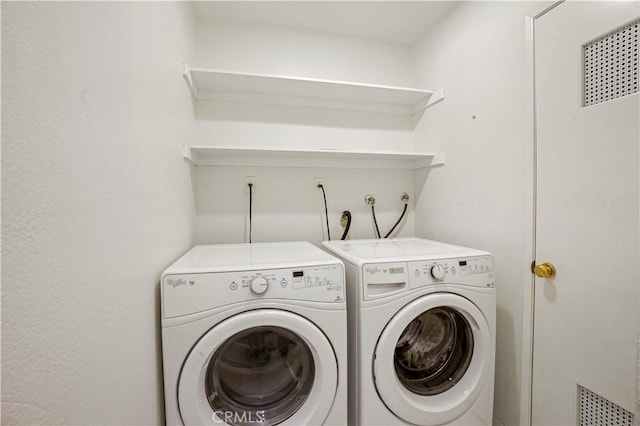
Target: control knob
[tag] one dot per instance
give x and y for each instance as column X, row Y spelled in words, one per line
column 259, row 285
column 437, row 272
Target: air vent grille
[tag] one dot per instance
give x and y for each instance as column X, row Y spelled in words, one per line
column 611, row 65
column 598, row 411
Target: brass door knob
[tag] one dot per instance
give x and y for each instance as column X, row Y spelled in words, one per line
column 545, row 270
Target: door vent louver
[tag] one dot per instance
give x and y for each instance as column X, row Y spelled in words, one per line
column 598, row 411
column 611, row 65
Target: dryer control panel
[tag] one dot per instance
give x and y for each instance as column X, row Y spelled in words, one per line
column 384, row 279
column 185, row 294
column 475, row 271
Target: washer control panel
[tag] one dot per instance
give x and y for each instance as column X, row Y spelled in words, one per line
column 185, row 294
column 476, row 271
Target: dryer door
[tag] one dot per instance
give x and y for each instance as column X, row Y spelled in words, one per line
column 264, row 367
column 433, row 358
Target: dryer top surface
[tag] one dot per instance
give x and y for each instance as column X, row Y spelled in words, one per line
column 227, row 257
column 385, row 250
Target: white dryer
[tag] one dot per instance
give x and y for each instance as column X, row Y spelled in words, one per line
column 255, row 334
column 421, row 332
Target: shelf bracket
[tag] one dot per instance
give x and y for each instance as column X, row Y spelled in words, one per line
column 187, row 155
column 186, row 74
column 436, row 98
column 438, row 160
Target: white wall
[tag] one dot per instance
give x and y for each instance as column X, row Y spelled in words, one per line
column 259, row 48
column 286, row 204
column 96, row 201
column 478, row 198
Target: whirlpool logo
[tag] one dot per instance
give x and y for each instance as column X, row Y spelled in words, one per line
column 177, row 283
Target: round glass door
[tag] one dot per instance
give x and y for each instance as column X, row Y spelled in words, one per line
column 265, row 366
column 261, row 374
column 433, row 358
column 434, row 351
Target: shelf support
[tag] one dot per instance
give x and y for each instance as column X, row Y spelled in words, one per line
column 436, row 98
column 187, row 155
column 186, row 74
column 438, row 160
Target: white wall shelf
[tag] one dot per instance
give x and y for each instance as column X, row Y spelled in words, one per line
column 209, row 84
column 226, row 156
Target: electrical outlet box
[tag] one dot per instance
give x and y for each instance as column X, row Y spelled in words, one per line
column 318, row 181
column 249, row 180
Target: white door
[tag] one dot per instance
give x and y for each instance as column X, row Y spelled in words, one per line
column 587, row 222
column 264, row 367
column 433, row 358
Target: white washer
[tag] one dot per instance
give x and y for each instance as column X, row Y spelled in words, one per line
column 421, row 332
column 255, row 334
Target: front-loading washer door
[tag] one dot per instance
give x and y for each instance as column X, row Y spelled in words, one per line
column 433, row 358
column 265, row 366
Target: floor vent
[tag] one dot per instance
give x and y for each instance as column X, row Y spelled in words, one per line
column 611, row 65
column 598, row 411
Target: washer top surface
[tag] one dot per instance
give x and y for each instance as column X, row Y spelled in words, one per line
column 386, row 250
column 228, row 257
